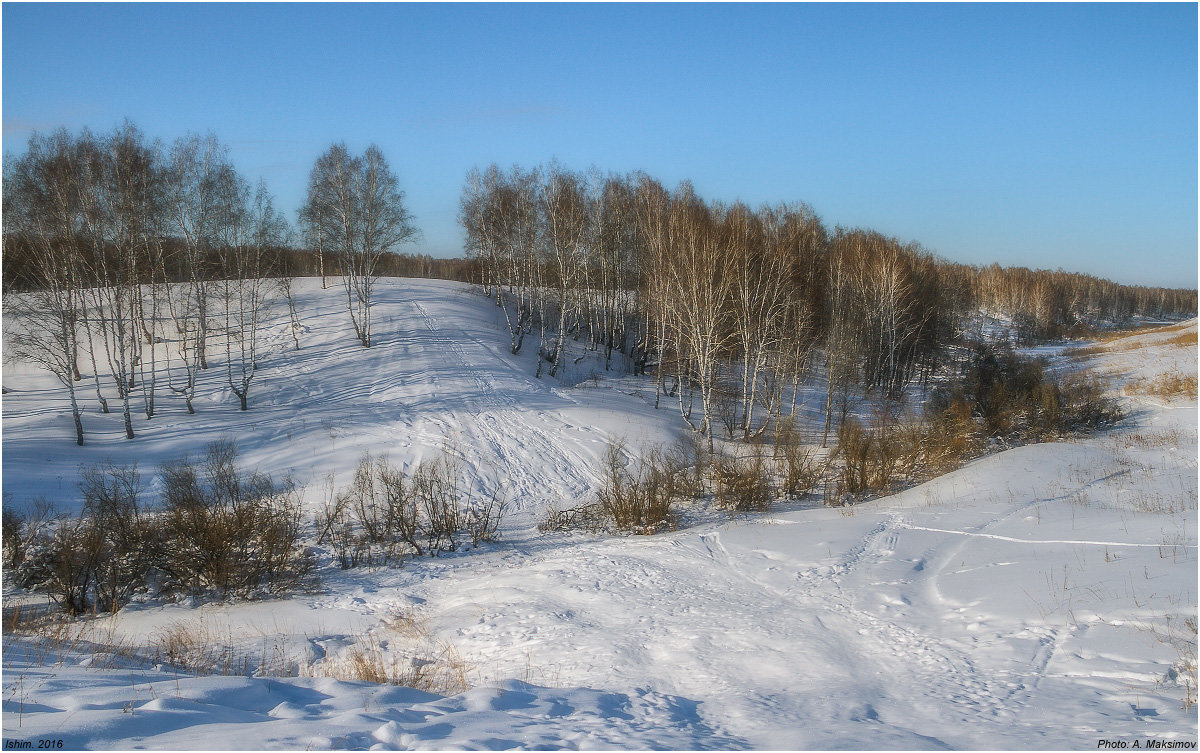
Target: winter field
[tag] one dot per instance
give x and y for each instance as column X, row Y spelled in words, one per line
column 1042, row 597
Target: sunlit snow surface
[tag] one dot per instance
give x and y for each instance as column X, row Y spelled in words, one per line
column 1020, row 602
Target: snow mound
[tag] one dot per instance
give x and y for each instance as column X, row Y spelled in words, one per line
column 156, row 710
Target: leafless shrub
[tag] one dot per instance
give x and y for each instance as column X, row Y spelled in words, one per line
column 385, row 515
column 895, row 453
column 726, row 402
column 1084, row 405
column 63, row 562
column 691, row 459
column 951, row 437
column 743, row 483
column 89, row 561
column 588, row 517
column 860, row 469
column 374, row 519
column 639, row 499
column 435, row 486
column 483, row 518
column 228, row 533
column 796, row 464
column 21, row 528
column 1015, row 398
column 878, row 459
column 124, row 541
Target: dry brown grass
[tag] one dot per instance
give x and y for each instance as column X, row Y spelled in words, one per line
column 442, row 671
column 1169, row 386
column 198, row 647
column 402, row 651
column 1180, row 635
column 47, row 637
column 1086, row 351
column 1117, row 346
column 1182, row 340
column 1170, row 437
column 1118, row 341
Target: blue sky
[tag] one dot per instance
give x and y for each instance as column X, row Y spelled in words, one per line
column 1038, row 135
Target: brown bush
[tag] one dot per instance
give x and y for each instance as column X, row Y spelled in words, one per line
column 639, row 500
column 94, row 560
column 895, row 453
column 1017, row 398
column 385, row 515
column 865, row 463
column 22, row 528
column 62, row 563
column 374, row 520
column 796, row 464
column 226, row 533
column 743, row 484
column 951, row 438
column 435, row 485
column 123, row 536
column 690, row 460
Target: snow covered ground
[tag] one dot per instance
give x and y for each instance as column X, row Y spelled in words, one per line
column 1033, row 599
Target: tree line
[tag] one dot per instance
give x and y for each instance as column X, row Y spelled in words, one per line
column 731, row 306
column 130, row 263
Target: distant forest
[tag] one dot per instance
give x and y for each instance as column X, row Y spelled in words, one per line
column 21, row 273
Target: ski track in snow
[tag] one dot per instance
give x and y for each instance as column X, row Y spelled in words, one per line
column 491, row 417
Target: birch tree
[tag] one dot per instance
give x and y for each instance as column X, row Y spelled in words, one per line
column 259, row 230
column 355, row 206
column 697, row 287
column 385, row 224
column 565, row 220
column 41, row 208
column 117, row 188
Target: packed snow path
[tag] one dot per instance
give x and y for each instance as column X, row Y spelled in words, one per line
column 1036, row 598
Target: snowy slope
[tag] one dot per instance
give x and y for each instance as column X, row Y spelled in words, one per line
column 438, row 373
column 1032, row 599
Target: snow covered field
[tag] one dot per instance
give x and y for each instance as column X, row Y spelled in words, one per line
column 1034, row 599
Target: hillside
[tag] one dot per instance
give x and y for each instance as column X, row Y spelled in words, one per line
column 437, row 374
column 1036, row 598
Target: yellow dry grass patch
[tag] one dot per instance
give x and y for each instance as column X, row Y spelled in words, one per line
column 1119, row 341
column 423, row 661
column 1183, row 339
column 1170, row 386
